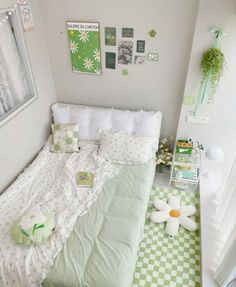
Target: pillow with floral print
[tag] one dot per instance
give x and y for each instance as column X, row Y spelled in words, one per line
column 125, row 148
column 65, row 138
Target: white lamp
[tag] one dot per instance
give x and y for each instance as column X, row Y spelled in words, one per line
column 214, row 154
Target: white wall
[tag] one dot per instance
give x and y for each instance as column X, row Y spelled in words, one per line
column 222, row 127
column 222, row 115
column 152, row 86
column 23, row 136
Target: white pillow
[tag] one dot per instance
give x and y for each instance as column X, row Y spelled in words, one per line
column 99, row 119
column 67, row 115
column 148, row 123
column 81, row 116
column 138, row 122
column 122, row 121
column 124, row 148
column 91, row 120
column 61, row 115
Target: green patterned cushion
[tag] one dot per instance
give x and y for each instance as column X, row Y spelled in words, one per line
column 65, row 138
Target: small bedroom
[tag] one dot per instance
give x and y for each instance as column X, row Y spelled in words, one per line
column 117, row 143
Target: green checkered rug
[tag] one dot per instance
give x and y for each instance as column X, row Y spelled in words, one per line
column 164, row 261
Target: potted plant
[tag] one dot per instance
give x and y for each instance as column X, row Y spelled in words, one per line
column 164, row 154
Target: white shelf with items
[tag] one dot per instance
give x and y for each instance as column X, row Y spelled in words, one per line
column 185, row 170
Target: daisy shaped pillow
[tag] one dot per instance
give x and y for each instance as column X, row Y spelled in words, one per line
column 174, row 215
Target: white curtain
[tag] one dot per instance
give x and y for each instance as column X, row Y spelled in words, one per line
column 14, row 87
column 226, row 229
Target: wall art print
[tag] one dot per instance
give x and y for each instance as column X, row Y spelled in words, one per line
column 110, row 60
column 140, row 46
column 84, row 44
column 110, row 36
column 139, row 60
column 125, row 52
column 127, row 32
column 152, row 57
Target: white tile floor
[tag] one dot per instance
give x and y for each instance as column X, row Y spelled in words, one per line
column 161, row 179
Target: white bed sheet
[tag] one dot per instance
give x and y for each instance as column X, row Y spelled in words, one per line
column 47, row 184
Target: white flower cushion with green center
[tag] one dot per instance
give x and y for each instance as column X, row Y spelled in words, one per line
column 174, row 214
column 34, row 227
column 65, row 138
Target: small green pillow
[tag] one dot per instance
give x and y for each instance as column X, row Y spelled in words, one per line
column 33, row 228
column 65, row 138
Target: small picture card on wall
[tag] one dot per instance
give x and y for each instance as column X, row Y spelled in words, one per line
column 127, row 32
column 26, row 15
column 139, row 60
column 189, row 100
column 84, row 44
column 152, row 33
column 125, row 52
column 140, row 46
column 125, row 72
column 152, row 57
column 110, row 60
column 110, row 36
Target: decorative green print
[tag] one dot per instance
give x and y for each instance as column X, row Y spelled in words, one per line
column 84, row 44
column 140, row 48
column 189, row 101
column 127, row 32
column 152, row 33
column 23, row 231
column 125, row 72
column 110, row 36
column 110, row 60
column 37, row 226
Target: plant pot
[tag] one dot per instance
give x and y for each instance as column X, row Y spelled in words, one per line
column 160, row 168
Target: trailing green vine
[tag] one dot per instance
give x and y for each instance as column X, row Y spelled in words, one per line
column 212, row 65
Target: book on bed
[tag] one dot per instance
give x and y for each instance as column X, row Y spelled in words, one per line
column 84, row 179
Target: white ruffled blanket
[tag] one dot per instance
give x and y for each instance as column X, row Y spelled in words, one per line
column 47, row 184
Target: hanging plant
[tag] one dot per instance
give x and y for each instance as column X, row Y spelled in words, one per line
column 212, row 66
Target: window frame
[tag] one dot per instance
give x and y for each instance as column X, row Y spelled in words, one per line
column 24, row 55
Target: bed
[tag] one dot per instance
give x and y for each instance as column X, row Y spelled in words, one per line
column 102, row 248
column 98, row 239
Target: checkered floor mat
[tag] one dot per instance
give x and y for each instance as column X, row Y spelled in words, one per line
column 164, row 261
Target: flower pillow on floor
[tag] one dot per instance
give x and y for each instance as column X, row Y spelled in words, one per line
column 174, row 215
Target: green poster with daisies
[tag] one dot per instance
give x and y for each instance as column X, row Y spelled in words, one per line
column 84, row 44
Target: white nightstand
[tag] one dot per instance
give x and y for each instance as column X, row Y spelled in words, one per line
column 188, row 166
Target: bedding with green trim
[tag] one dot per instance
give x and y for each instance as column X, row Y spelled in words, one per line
column 102, row 249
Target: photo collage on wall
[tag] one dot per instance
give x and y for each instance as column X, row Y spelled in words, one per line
column 85, row 50
column 129, row 51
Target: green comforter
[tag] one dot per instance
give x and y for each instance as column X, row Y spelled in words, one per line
column 102, row 249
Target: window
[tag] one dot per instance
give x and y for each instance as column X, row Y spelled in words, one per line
column 17, row 87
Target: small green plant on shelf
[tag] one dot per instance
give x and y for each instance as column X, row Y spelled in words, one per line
column 164, row 155
column 212, row 66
